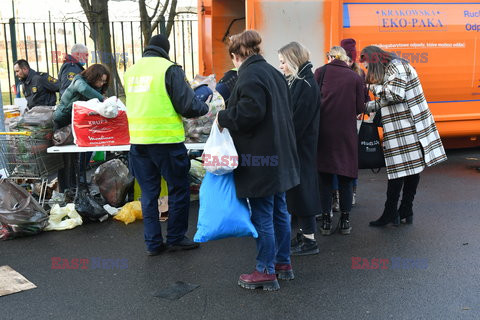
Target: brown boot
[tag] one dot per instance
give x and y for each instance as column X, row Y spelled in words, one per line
column 258, row 279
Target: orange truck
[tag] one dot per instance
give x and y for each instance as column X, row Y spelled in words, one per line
column 441, row 39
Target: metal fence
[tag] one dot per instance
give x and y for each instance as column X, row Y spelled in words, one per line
column 44, row 45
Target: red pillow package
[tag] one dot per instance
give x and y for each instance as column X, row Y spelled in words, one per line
column 90, row 129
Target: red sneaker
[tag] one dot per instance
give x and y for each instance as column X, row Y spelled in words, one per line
column 284, row 271
column 259, row 280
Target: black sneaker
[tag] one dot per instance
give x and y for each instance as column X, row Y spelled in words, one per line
column 157, row 251
column 184, row 244
column 307, row 247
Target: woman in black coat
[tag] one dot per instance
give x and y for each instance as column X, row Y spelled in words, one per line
column 303, row 201
column 259, row 119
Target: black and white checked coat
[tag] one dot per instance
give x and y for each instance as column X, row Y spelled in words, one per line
column 410, row 136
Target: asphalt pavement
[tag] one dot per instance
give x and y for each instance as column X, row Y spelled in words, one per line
column 433, row 268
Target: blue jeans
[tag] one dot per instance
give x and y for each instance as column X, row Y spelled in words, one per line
column 272, row 221
column 148, row 163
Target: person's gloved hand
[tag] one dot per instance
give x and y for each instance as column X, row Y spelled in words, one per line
column 203, row 92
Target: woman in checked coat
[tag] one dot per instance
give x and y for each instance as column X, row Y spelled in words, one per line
column 410, row 138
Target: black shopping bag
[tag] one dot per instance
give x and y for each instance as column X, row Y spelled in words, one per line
column 370, row 151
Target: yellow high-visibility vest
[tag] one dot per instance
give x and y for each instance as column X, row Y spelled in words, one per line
column 151, row 115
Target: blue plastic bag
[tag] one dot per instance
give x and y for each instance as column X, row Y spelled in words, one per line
column 222, row 214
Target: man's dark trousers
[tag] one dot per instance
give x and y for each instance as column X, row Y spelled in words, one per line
column 148, row 163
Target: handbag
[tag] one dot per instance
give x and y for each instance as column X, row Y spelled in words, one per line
column 370, row 150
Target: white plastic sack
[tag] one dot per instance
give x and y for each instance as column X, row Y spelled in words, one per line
column 57, row 222
column 219, row 155
column 108, row 108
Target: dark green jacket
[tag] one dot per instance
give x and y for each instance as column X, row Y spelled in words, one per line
column 79, row 90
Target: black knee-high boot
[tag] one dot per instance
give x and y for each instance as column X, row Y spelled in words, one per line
column 390, row 213
column 410, row 185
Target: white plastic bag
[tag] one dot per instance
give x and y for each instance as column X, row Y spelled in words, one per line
column 219, row 155
column 108, row 108
column 57, row 222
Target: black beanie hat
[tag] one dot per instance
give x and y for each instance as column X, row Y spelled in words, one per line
column 161, row 41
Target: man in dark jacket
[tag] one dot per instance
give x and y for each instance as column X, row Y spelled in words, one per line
column 72, row 65
column 38, row 88
column 157, row 96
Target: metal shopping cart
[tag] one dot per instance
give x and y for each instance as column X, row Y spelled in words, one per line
column 24, row 157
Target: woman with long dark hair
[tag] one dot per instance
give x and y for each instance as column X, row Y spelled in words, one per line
column 88, row 84
column 410, row 138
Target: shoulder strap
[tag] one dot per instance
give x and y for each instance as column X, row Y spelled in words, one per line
column 322, row 76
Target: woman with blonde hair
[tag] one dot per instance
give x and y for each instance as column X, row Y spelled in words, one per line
column 302, row 200
column 259, row 118
column 342, row 99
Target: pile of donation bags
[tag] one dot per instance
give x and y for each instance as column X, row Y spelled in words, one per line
column 198, row 129
column 22, row 215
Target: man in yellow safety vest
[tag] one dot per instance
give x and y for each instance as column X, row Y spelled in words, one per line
column 158, row 95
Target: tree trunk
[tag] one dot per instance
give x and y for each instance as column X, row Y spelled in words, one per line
column 99, row 22
column 146, row 23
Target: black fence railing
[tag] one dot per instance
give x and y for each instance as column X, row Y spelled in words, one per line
column 45, row 44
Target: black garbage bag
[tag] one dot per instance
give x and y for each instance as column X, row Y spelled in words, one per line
column 88, row 207
column 114, row 180
column 20, row 213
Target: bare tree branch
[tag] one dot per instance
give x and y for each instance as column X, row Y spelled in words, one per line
column 161, row 16
column 155, row 11
column 164, row 9
column 87, row 8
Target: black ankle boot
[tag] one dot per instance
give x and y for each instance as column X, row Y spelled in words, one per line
column 406, row 212
column 345, row 223
column 386, row 218
column 326, row 224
